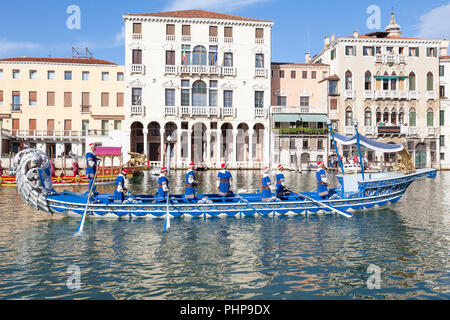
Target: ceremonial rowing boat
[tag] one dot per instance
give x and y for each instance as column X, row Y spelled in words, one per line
column 353, row 193
column 10, row 181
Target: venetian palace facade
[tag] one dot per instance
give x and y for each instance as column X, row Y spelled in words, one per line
column 382, row 77
column 58, row 104
column 202, row 79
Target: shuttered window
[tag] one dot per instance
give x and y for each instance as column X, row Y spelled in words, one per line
column 170, row 57
column 137, row 56
column 259, row 33
column 32, row 126
column 33, row 98
column 67, row 125
column 105, row 99
column 213, row 31
column 170, row 29
column 228, row 32
column 50, row 99
column 120, row 99
column 67, row 99
column 186, row 30
column 333, row 104
column 137, row 27
column 85, row 99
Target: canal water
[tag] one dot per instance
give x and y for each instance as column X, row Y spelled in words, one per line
column 397, row 253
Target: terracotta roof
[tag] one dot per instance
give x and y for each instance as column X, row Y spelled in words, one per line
column 299, row 64
column 202, row 14
column 59, row 60
column 333, row 77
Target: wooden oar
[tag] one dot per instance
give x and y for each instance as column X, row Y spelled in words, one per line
column 341, row 212
column 81, row 225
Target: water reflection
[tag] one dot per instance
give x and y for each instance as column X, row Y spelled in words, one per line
column 230, row 258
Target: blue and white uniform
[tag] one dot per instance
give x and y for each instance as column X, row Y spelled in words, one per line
column 223, row 182
column 280, row 184
column 119, row 195
column 163, row 187
column 267, row 188
column 322, row 183
column 91, row 169
column 190, row 185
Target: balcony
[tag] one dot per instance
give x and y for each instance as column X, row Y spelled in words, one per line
column 170, row 37
column 390, row 58
column 201, row 111
column 228, row 39
column 53, row 134
column 413, row 95
column 349, row 130
column 259, row 41
column 186, row 38
column 137, row 36
column 261, row 113
column 170, row 69
column 431, row 95
column 228, row 112
column 349, row 94
column 391, row 94
column 137, row 69
column 229, row 71
column 261, row 72
column 213, row 39
column 370, row 131
column 85, row 109
column 368, row 94
column 170, row 111
column 413, row 131
column 137, row 110
column 431, row 131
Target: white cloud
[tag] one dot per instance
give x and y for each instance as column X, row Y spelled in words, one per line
column 119, row 38
column 219, row 5
column 435, row 23
column 10, row 47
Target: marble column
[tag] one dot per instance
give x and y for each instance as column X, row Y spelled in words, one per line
column 219, row 145
column 146, row 143
column 234, row 154
column 189, row 146
column 208, row 147
column 163, row 151
column 250, row 147
column 178, row 156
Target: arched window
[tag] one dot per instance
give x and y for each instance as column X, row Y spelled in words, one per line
column 378, row 116
column 368, row 81
column 394, row 116
column 429, row 81
column 367, row 117
column 430, row 117
column 348, row 80
column 412, row 117
column 386, row 81
column 199, row 56
column 199, row 94
column 348, row 116
column 386, row 116
column 394, row 81
column 412, row 81
column 401, row 116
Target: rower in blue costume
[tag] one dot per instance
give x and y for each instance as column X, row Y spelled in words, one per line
column 191, row 183
column 280, row 183
column 267, row 187
column 91, row 168
column 163, row 185
column 120, row 191
column 223, row 181
column 322, row 181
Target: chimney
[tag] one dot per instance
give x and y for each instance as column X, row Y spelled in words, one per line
column 355, row 34
column 307, row 58
column 332, row 37
column 326, row 41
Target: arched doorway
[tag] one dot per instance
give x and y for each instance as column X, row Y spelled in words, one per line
column 420, row 155
column 170, row 130
column 198, row 143
column 242, row 143
column 258, row 140
column 154, row 141
column 137, row 137
column 227, row 142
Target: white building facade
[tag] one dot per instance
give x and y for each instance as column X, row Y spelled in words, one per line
column 200, row 81
column 390, row 85
column 444, row 112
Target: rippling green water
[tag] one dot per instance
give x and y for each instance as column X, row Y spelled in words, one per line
column 321, row 256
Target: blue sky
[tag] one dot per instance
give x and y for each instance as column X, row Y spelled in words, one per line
column 38, row 28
